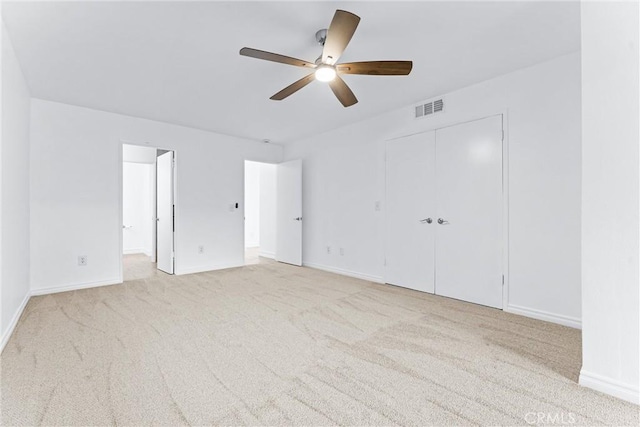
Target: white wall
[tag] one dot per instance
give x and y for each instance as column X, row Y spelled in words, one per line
column 251, row 204
column 14, row 287
column 75, row 194
column 610, row 198
column 137, row 208
column 343, row 177
column 138, row 154
column 268, row 194
column 147, row 155
column 260, row 207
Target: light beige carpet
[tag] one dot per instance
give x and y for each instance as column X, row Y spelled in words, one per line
column 252, row 256
column 139, row 266
column 272, row 344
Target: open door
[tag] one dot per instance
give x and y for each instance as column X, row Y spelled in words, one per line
column 289, row 212
column 165, row 212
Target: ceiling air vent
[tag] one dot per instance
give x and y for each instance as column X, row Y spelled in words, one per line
column 429, row 108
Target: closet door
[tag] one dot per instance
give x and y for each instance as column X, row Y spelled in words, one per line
column 468, row 222
column 410, row 206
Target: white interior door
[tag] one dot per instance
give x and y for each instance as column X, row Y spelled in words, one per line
column 410, row 208
column 165, row 212
column 154, row 207
column 468, row 226
column 289, row 212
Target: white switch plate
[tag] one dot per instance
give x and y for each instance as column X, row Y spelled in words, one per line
column 377, row 206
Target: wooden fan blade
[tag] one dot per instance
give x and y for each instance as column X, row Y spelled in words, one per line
column 275, row 57
column 376, row 68
column 342, row 92
column 339, row 33
column 294, row 87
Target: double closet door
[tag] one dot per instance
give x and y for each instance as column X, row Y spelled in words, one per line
column 444, row 208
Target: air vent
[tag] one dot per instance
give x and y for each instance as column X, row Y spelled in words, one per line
column 429, row 108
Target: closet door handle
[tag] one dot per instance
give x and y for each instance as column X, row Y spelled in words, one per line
column 426, row 220
column 442, row 221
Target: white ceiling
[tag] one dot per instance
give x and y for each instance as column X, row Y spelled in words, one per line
column 178, row 62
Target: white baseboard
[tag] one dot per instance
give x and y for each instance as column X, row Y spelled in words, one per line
column 266, row 254
column 610, row 386
column 205, row 268
column 74, row 287
column 14, row 321
column 560, row 319
column 344, row 272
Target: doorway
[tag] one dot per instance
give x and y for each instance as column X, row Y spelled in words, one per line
column 259, row 212
column 147, row 212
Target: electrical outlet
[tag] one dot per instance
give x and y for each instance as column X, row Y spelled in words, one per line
column 82, row 260
column 328, row 250
column 200, row 249
column 341, row 251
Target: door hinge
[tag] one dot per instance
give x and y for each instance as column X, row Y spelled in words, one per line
column 503, row 280
column 502, row 135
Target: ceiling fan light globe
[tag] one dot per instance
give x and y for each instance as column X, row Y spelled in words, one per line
column 325, row 73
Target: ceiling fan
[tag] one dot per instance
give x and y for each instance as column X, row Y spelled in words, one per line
column 334, row 41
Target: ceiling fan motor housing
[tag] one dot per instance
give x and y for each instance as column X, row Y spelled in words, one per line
column 321, row 36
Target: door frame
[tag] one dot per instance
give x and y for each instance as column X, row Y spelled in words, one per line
column 120, row 168
column 505, row 187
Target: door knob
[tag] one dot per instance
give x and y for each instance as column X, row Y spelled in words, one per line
column 298, row 218
column 442, row 221
column 427, row 220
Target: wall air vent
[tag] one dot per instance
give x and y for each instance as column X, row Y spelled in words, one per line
column 438, row 106
column 429, row 108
